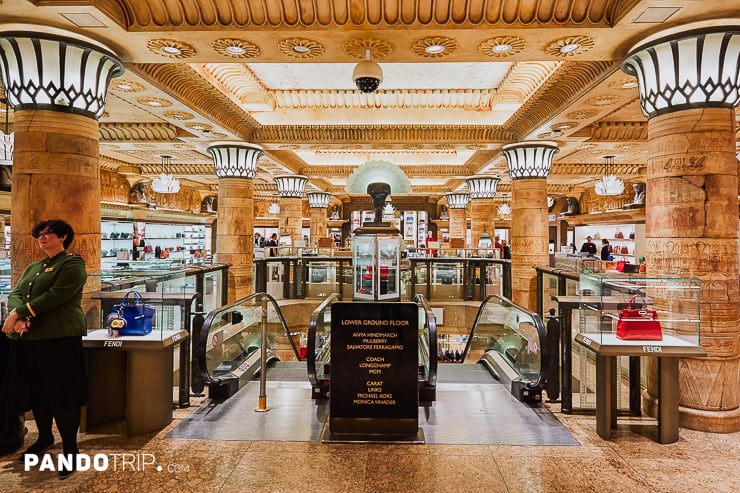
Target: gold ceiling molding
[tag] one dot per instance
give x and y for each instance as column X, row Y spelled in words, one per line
column 321, row 150
column 185, row 84
column 239, row 80
column 137, row 131
column 408, row 169
column 357, row 48
column 125, row 85
column 424, row 134
column 524, row 79
column 595, row 169
column 150, row 102
column 560, row 90
column 180, row 170
column 468, row 99
column 162, row 15
column 581, row 114
column 178, row 115
column 617, row 131
column 434, row 46
column 606, row 100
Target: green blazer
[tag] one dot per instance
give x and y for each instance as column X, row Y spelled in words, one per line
column 50, row 293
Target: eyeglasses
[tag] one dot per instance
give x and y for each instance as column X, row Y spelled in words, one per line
column 45, row 234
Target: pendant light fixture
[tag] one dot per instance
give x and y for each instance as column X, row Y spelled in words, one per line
column 609, row 184
column 166, row 182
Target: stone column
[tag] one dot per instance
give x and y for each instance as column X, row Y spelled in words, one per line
column 55, row 165
column 318, row 203
column 688, row 83
column 290, row 190
column 482, row 206
column 457, row 204
column 529, row 166
column 236, row 164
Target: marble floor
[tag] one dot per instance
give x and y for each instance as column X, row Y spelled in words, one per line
column 631, row 461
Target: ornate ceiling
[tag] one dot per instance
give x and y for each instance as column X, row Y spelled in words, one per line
column 461, row 79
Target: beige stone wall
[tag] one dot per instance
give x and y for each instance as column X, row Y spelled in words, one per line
column 234, row 240
column 291, row 218
column 482, row 218
column 692, row 231
column 318, row 224
column 529, row 238
column 458, row 223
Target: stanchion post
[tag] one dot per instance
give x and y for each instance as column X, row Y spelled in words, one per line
column 262, row 407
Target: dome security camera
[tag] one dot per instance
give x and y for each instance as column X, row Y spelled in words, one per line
column 367, row 75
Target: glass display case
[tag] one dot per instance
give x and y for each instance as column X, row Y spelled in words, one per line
column 447, row 280
column 376, row 255
column 614, row 310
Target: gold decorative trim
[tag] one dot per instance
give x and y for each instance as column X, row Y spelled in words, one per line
column 125, row 85
column 616, row 131
column 480, row 137
column 163, row 132
column 448, row 45
column 570, row 46
column 603, row 100
column 169, row 15
column 301, row 48
column 154, row 102
column 170, row 48
column 199, row 127
column 560, row 90
column 495, row 47
column 564, row 126
column 235, row 48
column 178, row 115
column 624, row 84
column 379, row 48
column 185, row 84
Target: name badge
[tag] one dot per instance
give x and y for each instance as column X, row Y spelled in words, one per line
column 49, row 269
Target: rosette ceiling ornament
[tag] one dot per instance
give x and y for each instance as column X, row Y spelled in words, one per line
column 378, row 171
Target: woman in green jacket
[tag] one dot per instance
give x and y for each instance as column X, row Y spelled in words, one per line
column 47, row 322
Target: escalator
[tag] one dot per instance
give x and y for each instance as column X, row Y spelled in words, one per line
column 505, row 341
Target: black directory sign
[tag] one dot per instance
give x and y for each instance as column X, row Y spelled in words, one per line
column 374, row 369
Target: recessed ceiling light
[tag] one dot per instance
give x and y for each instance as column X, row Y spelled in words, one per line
column 432, row 49
column 154, row 103
column 124, row 86
column 504, row 47
column 301, row 49
column 630, row 85
column 235, row 50
column 570, row 47
column 172, row 50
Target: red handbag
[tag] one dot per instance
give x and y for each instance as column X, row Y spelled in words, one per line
column 639, row 324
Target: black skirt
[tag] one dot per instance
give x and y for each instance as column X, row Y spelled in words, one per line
column 49, row 372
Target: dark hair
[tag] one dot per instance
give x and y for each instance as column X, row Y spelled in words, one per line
column 56, row 226
column 604, row 241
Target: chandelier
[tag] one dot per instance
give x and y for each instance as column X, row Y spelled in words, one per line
column 165, row 182
column 7, row 139
column 609, row 184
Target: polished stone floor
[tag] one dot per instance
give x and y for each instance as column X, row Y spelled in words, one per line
column 631, row 461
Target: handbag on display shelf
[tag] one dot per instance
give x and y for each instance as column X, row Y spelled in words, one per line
column 618, row 234
column 620, row 265
column 122, row 254
column 132, row 317
column 625, row 250
column 632, row 235
column 597, row 236
column 639, row 324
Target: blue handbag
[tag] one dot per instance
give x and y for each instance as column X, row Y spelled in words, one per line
column 132, row 317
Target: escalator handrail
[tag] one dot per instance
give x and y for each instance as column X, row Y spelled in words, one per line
column 199, row 345
column 313, row 323
column 541, row 334
column 420, row 300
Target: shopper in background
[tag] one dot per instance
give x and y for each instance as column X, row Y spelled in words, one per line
column 506, row 249
column 588, row 247
column 605, row 250
column 272, row 242
column 46, row 324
